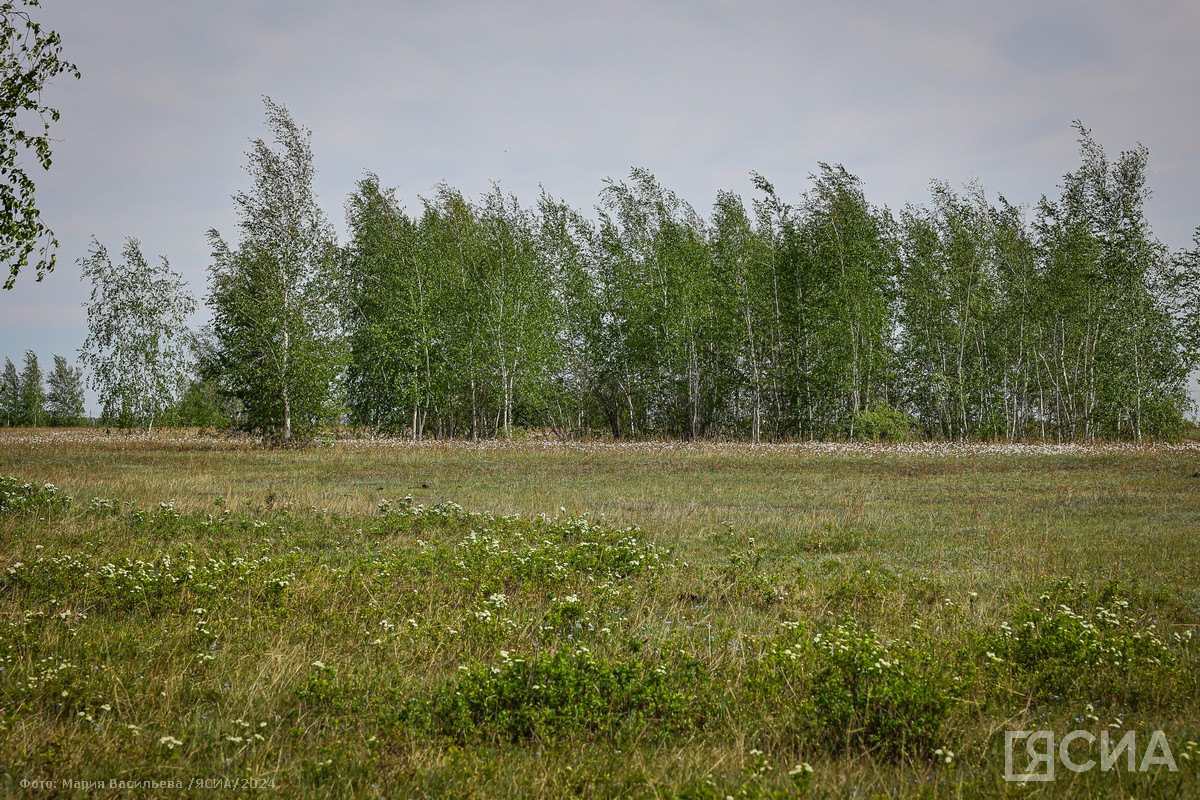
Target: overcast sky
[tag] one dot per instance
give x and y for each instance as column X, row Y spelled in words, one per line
column 563, row 94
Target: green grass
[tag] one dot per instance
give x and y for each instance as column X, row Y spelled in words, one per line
column 602, row 621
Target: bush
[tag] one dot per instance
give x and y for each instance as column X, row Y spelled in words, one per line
column 855, row 694
column 553, row 695
column 21, row 496
column 1059, row 647
column 884, row 424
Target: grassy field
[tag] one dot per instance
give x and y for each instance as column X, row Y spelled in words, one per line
column 601, row 620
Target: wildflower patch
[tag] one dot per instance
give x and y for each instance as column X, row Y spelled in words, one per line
column 17, row 496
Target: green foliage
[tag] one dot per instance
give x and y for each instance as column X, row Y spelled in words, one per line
column 201, row 406
column 821, row 319
column 321, row 687
column 23, row 395
column 857, row 694
column 64, row 400
column 869, row 697
column 32, row 397
column 450, row 317
column 389, row 313
column 147, row 587
column 1108, row 345
column 23, row 497
column 273, row 297
column 30, row 57
column 846, row 265
column 1071, row 642
column 10, row 394
column 551, row 696
column 882, row 423
column 139, row 350
column 743, row 580
column 950, row 307
column 503, row 553
column 1181, row 285
column 654, row 276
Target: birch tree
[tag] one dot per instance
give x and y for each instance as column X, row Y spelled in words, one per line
column 1184, row 298
column 64, row 398
column 33, row 392
column 1016, row 321
column 845, row 293
column 10, row 394
column 583, row 385
column 947, row 311
column 138, row 351
column 653, row 272
column 518, row 309
column 275, row 317
column 742, row 261
column 1112, row 359
column 390, row 347
column 451, row 248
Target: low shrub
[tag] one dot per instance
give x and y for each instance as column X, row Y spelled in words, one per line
column 549, row 696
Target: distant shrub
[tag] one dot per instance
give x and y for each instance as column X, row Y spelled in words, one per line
column 145, row 586
column 884, row 424
column 497, row 553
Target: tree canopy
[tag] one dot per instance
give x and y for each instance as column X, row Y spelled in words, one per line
column 273, row 297
column 823, row 316
column 139, row 349
column 30, row 56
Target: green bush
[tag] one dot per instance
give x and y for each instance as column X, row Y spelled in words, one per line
column 498, row 553
column 18, row 496
column 884, row 424
column 852, row 693
column 548, row 696
column 1068, row 643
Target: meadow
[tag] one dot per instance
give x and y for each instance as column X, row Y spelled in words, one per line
column 198, row 615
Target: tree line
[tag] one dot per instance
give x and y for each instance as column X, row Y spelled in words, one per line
column 822, row 316
column 29, row 399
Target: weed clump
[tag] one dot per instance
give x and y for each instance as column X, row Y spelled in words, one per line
column 569, row 693
column 1072, row 644
column 17, row 496
column 852, row 693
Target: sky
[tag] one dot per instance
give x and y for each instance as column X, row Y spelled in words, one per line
column 561, row 95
